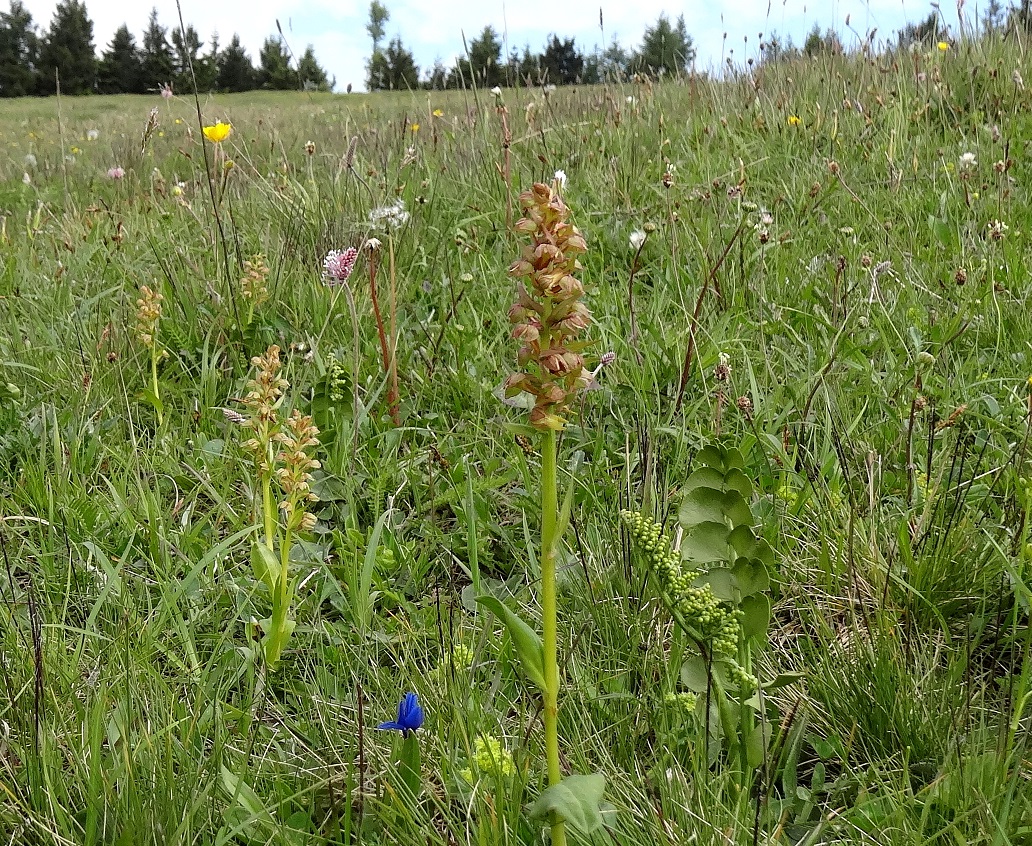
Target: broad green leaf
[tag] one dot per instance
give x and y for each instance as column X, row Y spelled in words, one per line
column 736, row 480
column 695, row 677
column 706, row 542
column 705, row 477
column 526, row 641
column 576, row 800
column 751, row 576
column 702, row 505
column 265, row 564
column 712, row 456
column 756, row 611
column 723, row 583
column 747, row 545
column 733, row 459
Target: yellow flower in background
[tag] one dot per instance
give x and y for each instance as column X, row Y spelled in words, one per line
column 794, row 120
column 943, row 46
column 438, row 113
column 414, row 127
column 219, row 132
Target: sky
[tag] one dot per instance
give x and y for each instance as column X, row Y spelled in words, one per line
column 433, row 29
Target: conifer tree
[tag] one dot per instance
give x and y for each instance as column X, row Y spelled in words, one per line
column 156, row 55
column 68, row 51
column 19, row 52
column 120, row 67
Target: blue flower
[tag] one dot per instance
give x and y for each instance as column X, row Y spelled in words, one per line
column 410, row 716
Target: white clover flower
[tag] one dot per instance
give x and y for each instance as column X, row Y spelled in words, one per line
column 92, row 134
column 967, row 162
column 637, row 238
column 560, row 177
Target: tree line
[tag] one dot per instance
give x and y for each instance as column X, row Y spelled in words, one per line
column 32, row 62
column 666, row 48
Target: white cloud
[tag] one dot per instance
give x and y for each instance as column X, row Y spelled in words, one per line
column 431, row 28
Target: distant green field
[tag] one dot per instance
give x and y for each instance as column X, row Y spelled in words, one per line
column 820, row 266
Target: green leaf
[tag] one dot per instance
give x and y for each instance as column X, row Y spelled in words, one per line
column 576, row 800
column 709, row 505
column 736, row 480
column 781, row 680
column 152, row 399
column 563, row 519
column 756, row 616
column 756, row 744
column 751, row 576
column 265, row 564
column 733, row 459
column 706, row 542
column 705, row 477
column 241, row 792
column 409, row 766
column 524, row 638
column 695, row 677
column 723, row 583
column 702, row 505
column 747, row 545
column 712, row 456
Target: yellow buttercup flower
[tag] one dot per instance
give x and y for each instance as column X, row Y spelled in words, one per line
column 219, row 132
column 438, row 113
column 794, row 120
column 943, row 46
column 414, row 127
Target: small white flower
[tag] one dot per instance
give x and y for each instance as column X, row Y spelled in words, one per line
column 391, row 216
column 637, row 238
column 26, row 178
column 630, row 100
column 496, row 91
column 92, row 134
column 997, row 229
column 560, row 177
column 30, row 160
column 967, row 162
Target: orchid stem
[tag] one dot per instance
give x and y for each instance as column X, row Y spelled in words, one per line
column 549, row 544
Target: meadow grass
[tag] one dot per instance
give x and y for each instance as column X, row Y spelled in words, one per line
column 867, row 285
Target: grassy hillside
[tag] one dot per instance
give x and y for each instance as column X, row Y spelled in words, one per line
column 822, row 278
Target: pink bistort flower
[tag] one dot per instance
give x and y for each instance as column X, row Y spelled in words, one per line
column 116, row 173
column 338, row 264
